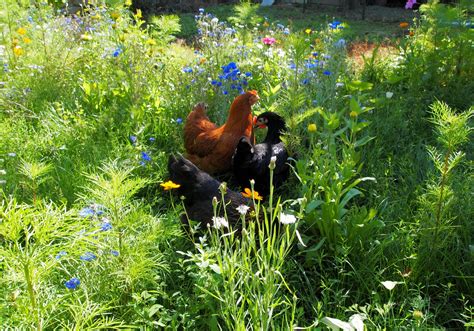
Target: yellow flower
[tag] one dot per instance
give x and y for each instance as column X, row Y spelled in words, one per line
column 404, row 25
column 353, row 114
column 202, row 60
column 170, row 185
column 96, row 17
column 312, row 127
column 150, row 42
column 17, row 50
column 308, row 31
column 21, row 31
column 138, row 14
column 265, row 24
column 115, row 15
column 417, row 314
column 248, row 194
column 128, row 3
column 26, row 40
column 86, row 37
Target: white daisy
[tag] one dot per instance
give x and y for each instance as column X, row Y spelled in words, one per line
column 287, row 218
column 219, row 222
column 243, row 209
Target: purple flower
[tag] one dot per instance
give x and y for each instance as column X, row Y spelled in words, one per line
column 133, row 139
column 151, row 139
column 179, row 120
column 72, row 283
column 114, row 253
column 409, row 4
column 188, row 70
column 88, row 257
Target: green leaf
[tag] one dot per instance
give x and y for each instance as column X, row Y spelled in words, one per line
column 86, row 87
column 363, row 141
column 313, row 205
column 358, row 85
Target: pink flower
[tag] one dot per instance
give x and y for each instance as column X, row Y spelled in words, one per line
column 270, row 41
column 409, row 4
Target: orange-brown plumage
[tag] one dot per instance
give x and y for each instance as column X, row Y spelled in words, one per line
column 210, row 147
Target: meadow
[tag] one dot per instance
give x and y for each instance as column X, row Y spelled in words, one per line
column 380, row 192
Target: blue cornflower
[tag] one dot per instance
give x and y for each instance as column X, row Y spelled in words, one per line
column 229, row 67
column 72, row 283
column 248, row 74
column 106, row 226
column 305, row 81
column 292, row 66
column 179, row 120
column 114, row 253
column 225, row 92
column 315, row 54
column 133, row 139
column 219, row 84
column 88, row 257
column 151, row 139
column 117, row 52
column 86, row 212
column 187, row 70
column 146, row 157
column 214, row 82
column 327, row 72
column 340, row 43
column 60, row 254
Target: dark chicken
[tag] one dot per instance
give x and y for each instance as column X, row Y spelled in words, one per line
column 251, row 162
column 210, row 147
column 199, row 189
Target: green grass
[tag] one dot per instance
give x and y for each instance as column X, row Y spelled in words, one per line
column 90, row 109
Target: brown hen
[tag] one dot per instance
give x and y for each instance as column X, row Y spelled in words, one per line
column 210, row 147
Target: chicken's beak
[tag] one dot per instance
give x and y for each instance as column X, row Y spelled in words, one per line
column 254, row 99
column 258, row 124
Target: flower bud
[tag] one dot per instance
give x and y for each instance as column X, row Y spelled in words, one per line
column 272, row 162
column 214, row 202
column 223, row 187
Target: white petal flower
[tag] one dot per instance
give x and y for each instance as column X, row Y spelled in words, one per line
column 220, row 222
column 389, row 285
column 389, row 95
column 243, row 209
column 287, row 218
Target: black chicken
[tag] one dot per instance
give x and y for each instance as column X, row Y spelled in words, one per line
column 199, row 188
column 251, row 162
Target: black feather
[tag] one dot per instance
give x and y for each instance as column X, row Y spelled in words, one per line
column 251, row 162
column 199, row 188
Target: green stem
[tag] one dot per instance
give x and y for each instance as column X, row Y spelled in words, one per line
column 444, row 176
